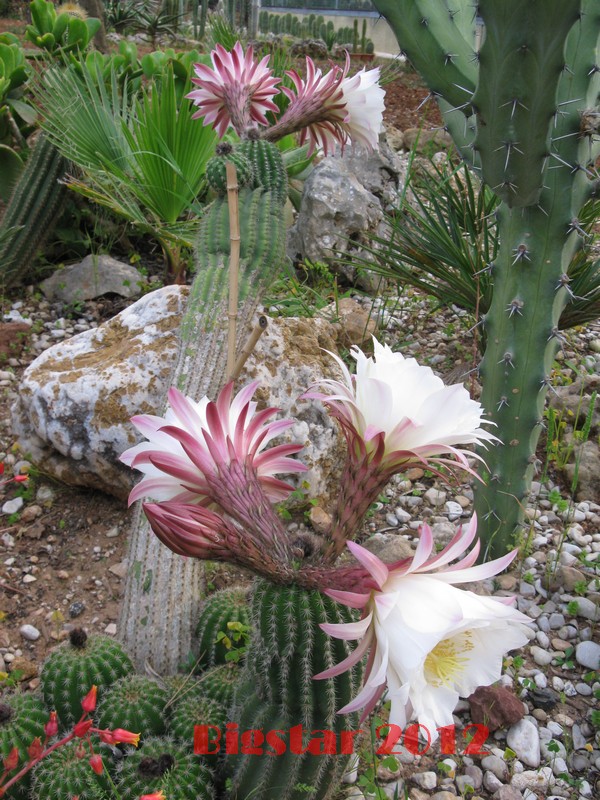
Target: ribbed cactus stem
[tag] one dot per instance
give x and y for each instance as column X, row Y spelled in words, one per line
column 160, row 609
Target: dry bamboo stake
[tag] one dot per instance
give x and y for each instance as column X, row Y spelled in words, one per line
column 234, row 262
column 257, row 331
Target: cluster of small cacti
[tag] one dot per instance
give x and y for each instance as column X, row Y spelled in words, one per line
column 67, row 773
column 65, row 29
column 314, row 27
column 277, row 692
column 82, row 662
column 216, row 168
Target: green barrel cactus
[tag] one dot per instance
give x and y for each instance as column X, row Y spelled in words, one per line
column 22, row 719
column 195, row 708
column 161, row 764
column 268, row 168
column 216, row 168
column 220, row 682
column 136, row 703
column 278, row 694
column 218, row 611
column 67, row 773
column 73, row 668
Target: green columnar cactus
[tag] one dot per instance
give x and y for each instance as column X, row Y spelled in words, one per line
column 67, row 773
column 32, row 211
column 518, row 109
column 217, row 611
column 22, row 719
column 73, row 668
column 277, row 692
column 136, row 703
column 161, row 764
column 269, row 171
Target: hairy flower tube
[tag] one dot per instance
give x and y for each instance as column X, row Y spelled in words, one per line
column 196, row 442
column 429, row 642
column 237, row 91
column 328, row 110
column 395, row 414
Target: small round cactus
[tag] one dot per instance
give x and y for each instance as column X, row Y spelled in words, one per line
column 218, row 683
column 73, row 668
column 216, row 168
column 161, row 764
column 135, row 703
column 67, row 773
column 195, row 709
column 22, row 719
column 215, row 638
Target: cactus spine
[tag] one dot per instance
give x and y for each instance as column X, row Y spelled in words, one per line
column 22, row 719
column 32, row 211
column 523, row 99
column 135, row 703
column 73, row 668
column 277, row 692
column 218, row 610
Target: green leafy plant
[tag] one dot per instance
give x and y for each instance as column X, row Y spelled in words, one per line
column 59, row 32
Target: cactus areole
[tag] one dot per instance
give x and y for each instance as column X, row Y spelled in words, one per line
column 516, row 83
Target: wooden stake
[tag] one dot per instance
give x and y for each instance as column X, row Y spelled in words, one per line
column 257, row 331
column 234, row 263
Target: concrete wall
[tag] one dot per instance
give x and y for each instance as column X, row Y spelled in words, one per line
column 378, row 30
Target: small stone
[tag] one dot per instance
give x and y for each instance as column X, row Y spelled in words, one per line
column 587, row 609
column 496, row 765
column 435, row 497
column 507, row 793
column 29, row 579
column 111, row 629
column 30, row 513
column 506, row 583
column 76, row 609
column 30, row 633
column 491, row 782
column 62, row 575
column 588, row 655
column 443, row 796
column 495, row 706
column 524, row 739
column 120, row 569
column 538, row 780
column 45, row 495
column 453, row 510
column 544, row 699
column 425, row 780
column 541, row 657
column 556, row 621
column 392, row 520
column 569, row 577
column 113, row 532
column 13, row 506
column 475, row 775
column 351, row 774
column 320, row 520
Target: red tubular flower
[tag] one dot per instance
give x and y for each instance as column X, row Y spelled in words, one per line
column 106, row 736
column 153, row 796
column 89, row 701
column 82, row 728
column 51, row 727
column 126, row 737
column 96, row 764
column 11, row 760
column 35, row 749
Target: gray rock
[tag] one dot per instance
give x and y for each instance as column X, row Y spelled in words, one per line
column 13, row 506
column 507, row 793
column 435, row 497
column 93, row 277
column 76, row 399
column 30, row 633
column 524, row 739
column 490, row 782
column 496, row 765
column 541, row 657
column 587, row 609
column 588, row 654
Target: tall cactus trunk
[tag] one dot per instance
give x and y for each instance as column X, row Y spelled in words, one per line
column 162, row 593
column 520, row 112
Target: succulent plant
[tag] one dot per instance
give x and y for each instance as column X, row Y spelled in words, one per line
column 216, row 168
column 217, row 612
column 67, row 773
column 75, row 666
column 22, row 719
column 136, row 703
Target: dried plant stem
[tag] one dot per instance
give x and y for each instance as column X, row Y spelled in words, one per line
column 234, row 262
column 257, row 331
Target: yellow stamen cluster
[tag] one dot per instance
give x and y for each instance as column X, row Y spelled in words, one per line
column 445, row 662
